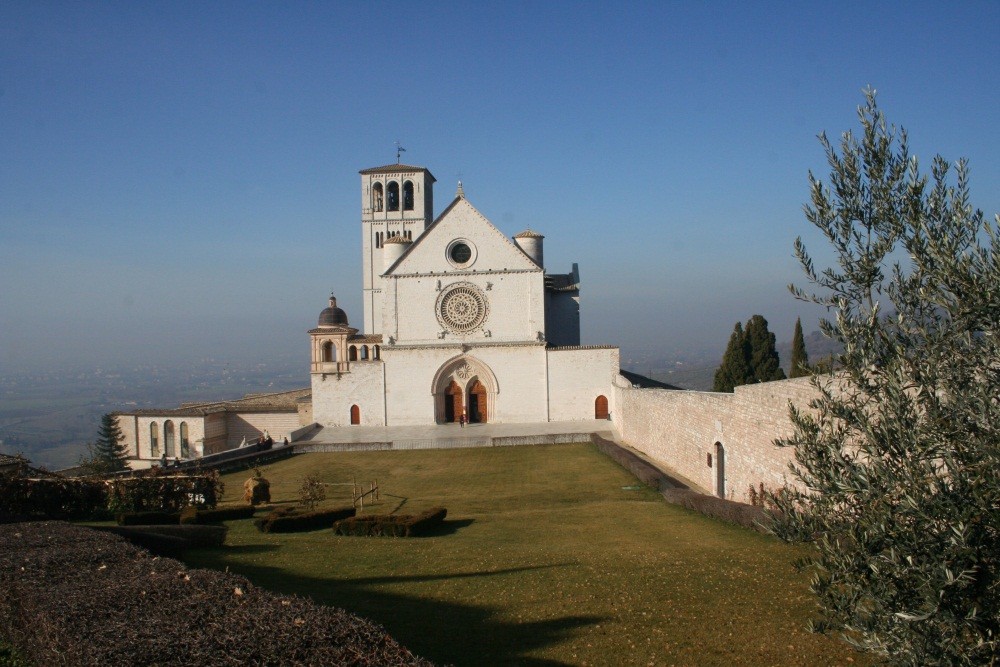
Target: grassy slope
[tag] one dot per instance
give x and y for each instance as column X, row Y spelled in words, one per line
column 546, row 560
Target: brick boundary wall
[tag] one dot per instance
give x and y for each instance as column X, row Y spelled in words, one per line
column 682, row 429
column 676, row 492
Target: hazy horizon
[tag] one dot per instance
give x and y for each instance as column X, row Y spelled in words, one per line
column 180, row 180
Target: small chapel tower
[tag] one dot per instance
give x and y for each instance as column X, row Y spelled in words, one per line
column 397, row 200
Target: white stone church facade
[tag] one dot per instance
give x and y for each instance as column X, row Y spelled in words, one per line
column 458, row 319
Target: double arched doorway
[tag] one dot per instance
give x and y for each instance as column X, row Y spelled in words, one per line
column 464, row 386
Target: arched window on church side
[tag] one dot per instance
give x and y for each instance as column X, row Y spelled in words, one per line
column 407, row 196
column 352, row 353
column 328, row 354
column 185, row 443
column 364, row 353
column 168, row 439
column 377, row 197
column 376, row 353
column 154, row 439
column 392, row 197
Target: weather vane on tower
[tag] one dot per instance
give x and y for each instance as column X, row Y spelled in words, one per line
column 399, row 149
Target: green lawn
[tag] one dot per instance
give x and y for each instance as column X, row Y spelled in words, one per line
column 547, row 559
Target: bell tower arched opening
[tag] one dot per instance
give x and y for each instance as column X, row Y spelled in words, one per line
column 392, row 197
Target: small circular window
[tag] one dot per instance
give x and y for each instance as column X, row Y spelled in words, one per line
column 461, row 253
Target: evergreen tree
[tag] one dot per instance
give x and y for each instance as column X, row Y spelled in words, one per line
column 734, row 370
column 800, row 358
column 109, row 453
column 899, row 454
column 763, row 362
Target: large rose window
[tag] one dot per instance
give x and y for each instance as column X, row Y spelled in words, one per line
column 462, row 308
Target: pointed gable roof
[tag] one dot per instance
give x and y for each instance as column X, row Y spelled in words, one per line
column 461, row 208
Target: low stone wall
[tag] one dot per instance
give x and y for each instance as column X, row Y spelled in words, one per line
column 687, row 431
column 446, row 443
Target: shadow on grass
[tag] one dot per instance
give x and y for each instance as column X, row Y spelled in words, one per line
column 448, row 527
column 444, row 632
column 251, row 549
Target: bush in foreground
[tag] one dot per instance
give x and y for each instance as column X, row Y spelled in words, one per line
column 74, row 596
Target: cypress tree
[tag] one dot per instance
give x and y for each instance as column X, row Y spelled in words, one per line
column 800, row 358
column 734, row 369
column 109, row 452
column 763, row 356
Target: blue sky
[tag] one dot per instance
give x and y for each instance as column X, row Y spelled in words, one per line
column 180, row 178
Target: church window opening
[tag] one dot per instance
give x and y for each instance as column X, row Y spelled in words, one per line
column 407, row 196
column 185, row 443
column 364, row 353
column 392, row 198
column 377, row 197
column 355, row 415
column 461, row 253
column 376, row 352
column 328, row 352
column 378, row 239
column 168, row 438
column 601, row 407
column 352, row 353
column 154, row 439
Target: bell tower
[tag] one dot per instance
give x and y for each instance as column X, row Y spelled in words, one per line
column 396, row 200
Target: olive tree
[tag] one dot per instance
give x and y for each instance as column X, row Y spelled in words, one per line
column 898, row 458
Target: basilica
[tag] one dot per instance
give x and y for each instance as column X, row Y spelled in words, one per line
column 460, row 322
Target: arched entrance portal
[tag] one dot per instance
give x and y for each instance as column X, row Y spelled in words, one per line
column 355, row 415
column 477, row 402
column 464, row 383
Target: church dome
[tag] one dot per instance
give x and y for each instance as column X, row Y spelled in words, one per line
column 333, row 316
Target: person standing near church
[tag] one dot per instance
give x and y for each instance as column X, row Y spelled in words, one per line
column 461, row 420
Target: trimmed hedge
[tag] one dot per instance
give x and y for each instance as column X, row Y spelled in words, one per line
column 74, row 596
column 290, row 521
column 193, row 515
column 392, row 525
column 147, row 518
column 52, row 497
column 91, row 498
